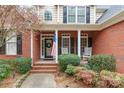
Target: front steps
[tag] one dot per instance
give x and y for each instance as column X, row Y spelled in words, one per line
column 44, row 68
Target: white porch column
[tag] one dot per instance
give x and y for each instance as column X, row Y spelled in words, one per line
column 32, row 46
column 79, row 43
column 56, row 33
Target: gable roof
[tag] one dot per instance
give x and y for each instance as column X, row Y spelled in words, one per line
column 110, row 12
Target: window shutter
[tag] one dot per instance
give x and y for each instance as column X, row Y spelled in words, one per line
column 3, row 49
column 19, row 44
column 72, row 45
column 64, row 14
column 89, row 42
column 87, row 14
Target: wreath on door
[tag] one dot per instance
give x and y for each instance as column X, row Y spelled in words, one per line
column 48, row 45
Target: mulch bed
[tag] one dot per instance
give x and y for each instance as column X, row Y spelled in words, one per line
column 65, row 81
column 8, row 82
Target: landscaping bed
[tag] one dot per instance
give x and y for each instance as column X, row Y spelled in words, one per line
column 65, row 81
column 100, row 71
column 13, row 71
column 9, row 81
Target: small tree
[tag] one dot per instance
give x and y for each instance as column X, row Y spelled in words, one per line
column 15, row 19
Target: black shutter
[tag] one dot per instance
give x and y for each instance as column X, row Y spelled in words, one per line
column 3, row 49
column 19, row 44
column 87, row 14
column 89, row 42
column 59, row 46
column 72, row 45
column 64, row 14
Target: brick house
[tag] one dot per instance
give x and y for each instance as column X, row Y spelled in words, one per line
column 81, row 30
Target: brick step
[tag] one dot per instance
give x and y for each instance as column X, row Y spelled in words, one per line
column 44, row 67
column 43, row 71
column 45, row 64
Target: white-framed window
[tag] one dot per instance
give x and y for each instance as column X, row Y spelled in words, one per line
column 48, row 15
column 84, row 42
column 71, row 14
column 66, row 43
column 81, row 14
column 11, row 45
column 74, row 14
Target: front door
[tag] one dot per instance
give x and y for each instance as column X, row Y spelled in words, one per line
column 48, row 48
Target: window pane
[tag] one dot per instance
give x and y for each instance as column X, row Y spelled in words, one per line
column 81, row 15
column 48, row 16
column 71, row 14
column 71, row 19
column 11, row 48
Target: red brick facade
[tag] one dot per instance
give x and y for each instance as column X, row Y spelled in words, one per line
column 107, row 41
column 111, row 41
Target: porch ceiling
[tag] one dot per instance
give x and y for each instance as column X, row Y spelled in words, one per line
column 72, row 27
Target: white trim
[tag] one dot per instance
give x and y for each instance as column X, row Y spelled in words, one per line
column 85, row 14
column 79, row 43
column 94, row 14
column 76, row 15
column 69, row 42
column 42, row 55
column 32, row 46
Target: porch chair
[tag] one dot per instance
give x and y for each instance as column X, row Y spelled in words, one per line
column 87, row 53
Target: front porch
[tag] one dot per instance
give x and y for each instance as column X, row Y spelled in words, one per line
column 67, row 42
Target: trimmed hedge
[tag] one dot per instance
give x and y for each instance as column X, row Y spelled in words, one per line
column 66, row 59
column 102, row 62
column 71, row 70
column 21, row 65
column 4, row 71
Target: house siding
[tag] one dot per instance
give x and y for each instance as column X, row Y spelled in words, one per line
column 92, row 14
column 111, row 41
column 53, row 9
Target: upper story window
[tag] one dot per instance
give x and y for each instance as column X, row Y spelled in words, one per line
column 48, row 16
column 71, row 14
column 81, row 14
column 76, row 14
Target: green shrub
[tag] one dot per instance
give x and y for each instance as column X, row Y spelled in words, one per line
column 102, row 62
column 70, row 70
column 11, row 62
column 4, row 71
column 23, row 65
column 66, row 59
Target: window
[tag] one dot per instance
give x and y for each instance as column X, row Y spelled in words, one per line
column 71, row 14
column 76, row 14
column 84, row 42
column 81, row 14
column 65, row 43
column 48, row 16
column 19, row 44
column 11, row 47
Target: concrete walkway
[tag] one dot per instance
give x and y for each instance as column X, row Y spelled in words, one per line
column 39, row 80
